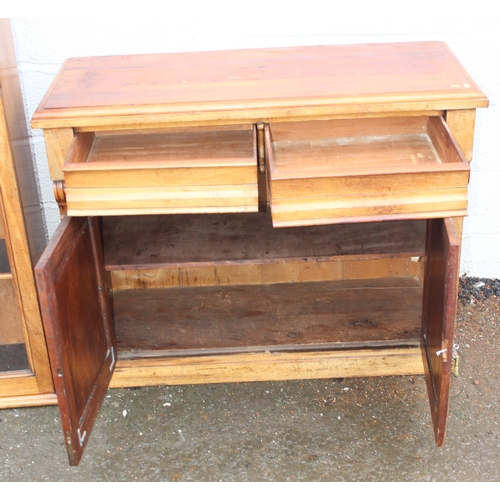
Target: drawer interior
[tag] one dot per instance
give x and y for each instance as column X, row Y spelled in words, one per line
column 209, row 169
column 357, row 170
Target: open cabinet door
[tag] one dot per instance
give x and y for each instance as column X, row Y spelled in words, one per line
column 438, row 317
column 76, row 317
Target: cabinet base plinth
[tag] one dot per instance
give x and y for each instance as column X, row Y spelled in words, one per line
column 258, row 367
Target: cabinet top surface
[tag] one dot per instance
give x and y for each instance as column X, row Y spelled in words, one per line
column 257, row 85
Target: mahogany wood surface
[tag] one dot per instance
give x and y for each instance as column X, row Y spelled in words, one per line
column 361, row 147
column 58, row 142
column 461, row 123
column 438, row 317
column 32, row 400
column 96, row 160
column 365, row 169
column 18, row 385
column 259, row 84
column 200, row 170
column 162, row 200
column 22, row 160
column 265, row 273
column 150, row 241
column 77, row 322
column 322, row 315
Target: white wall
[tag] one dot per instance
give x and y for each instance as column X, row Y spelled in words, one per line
column 469, row 28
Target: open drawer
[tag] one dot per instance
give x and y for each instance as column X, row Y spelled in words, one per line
column 204, row 170
column 361, row 170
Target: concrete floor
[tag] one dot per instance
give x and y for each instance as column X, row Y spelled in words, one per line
column 375, row 429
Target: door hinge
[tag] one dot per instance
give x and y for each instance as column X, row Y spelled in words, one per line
column 111, row 351
column 70, row 449
column 81, row 438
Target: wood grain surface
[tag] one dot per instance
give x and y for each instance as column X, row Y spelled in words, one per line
column 365, row 169
column 438, row 317
column 322, row 315
column 256, row 85
column 160, row 241
column 200, row 170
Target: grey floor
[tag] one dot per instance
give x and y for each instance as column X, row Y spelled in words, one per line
column 376, row 429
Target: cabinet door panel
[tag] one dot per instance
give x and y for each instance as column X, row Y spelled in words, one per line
column 438, row 317
column 76, row 317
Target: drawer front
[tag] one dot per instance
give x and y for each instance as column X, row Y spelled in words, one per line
column 149, row 171
column 365, row 170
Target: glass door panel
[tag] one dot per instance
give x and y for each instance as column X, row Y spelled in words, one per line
column 12, row 344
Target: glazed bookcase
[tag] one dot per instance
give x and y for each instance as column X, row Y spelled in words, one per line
column 25, row 377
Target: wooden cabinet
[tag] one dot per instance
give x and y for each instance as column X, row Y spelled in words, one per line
column 25, row 377
column 251, row 215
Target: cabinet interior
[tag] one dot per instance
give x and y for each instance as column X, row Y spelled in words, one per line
column 227, row 283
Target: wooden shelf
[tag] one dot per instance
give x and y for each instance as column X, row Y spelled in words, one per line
column 244, row 249
column 152, row 241
column 280, row 317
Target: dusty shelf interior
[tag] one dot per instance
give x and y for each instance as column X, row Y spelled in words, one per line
column 211, row 284
column 283, row 316
column 152, row 241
